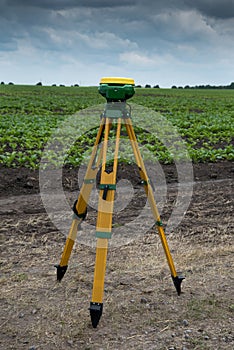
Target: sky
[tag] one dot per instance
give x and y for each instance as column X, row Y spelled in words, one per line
column 162, row 42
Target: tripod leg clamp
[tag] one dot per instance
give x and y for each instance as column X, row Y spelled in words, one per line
column 159, row 223
column 80, row 216
column 103, row 234
column 106, row 188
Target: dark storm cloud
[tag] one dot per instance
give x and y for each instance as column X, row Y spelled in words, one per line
column 213, row 8
column 125, row 9
column 44, row 22
column 217, row 8
column 210, row 8
column 65, row 4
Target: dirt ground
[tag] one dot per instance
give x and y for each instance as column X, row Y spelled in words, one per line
column 141, row 307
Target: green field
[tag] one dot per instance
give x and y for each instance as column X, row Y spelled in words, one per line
column 29, row 114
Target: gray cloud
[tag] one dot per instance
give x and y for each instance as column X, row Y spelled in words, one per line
column 65, row 4
column 118, row 35
column 213, row 8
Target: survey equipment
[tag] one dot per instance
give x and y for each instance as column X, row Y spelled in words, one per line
column 116, row 112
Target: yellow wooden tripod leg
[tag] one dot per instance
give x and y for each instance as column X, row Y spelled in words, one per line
column 104, row 225
column 96, row 304
column 149, row 192
column 177, row 280
column 62, row 267
column 80, row 206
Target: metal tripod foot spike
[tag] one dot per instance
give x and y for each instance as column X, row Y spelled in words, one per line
column 61, row 270
column 177, row 283
column 95, row 313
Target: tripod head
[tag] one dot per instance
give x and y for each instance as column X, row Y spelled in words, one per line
column 116, row 89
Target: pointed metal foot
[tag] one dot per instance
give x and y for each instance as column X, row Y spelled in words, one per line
column 61, row 270
column 177, row 283
column 95, row 313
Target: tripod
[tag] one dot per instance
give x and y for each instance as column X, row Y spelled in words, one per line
column 116, row 115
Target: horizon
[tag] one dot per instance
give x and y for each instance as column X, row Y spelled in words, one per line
column 146, row 86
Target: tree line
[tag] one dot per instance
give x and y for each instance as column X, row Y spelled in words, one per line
column 231, row 86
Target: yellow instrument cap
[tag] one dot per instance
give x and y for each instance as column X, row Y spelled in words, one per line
column 115, row 80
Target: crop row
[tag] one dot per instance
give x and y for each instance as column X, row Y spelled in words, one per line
column 30, row 115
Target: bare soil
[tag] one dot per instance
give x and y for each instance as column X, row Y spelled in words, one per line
column 141, row 307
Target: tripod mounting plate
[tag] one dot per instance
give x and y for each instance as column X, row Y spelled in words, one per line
column 116, row 89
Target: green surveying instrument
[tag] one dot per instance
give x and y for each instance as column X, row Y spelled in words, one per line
column 116, row 91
